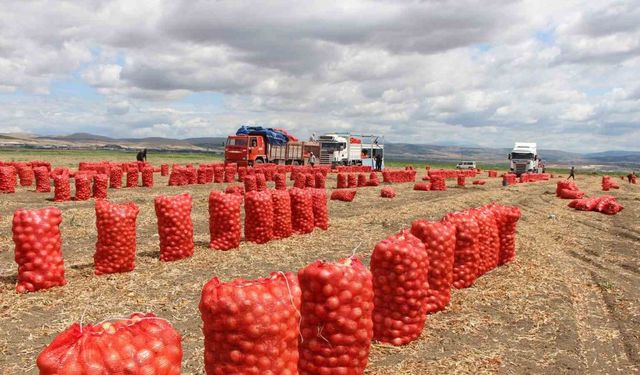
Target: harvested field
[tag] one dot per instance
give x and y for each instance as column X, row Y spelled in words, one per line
column 568, row 304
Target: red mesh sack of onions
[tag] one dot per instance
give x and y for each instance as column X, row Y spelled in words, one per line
column 250, row 183
column 488, row 240
column 352, row 180
column 218, row 174
column 438, row 183
column 8, row 179
column 62, row 190
column 242, row 171
column 321, row 180
column 310, row 180
column 202, row 175
column 43, row 185
column 192, row 175
column 422, row 186
column 36, row 234
column 506, row 219
column 141, row 344
column 261, row 182
column 175, row 228
column 467, row 251
column 83, row 187
column 258, row 217
column 209, row 175
column 300, row 181
column 100, row 186
column 400, row 269
column 164, row 170
column 147, row 177
column 132, row 178
column 320, row 209
column 116, row 244
column 461, row 181
column 342, row 181
column 282, row 227
column 280, row 180
column 229, row 173
column 235, row 189
column 362, row 180
column 302, row 210
column 26, row 175
column 440, row 240
column 387, row 192
column 224, row 220
column 115, row 177
column 337, row 326
column 345, row 195
column 251, row 326
column 373, row 179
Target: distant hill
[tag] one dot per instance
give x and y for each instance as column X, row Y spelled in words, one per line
column 394, row 151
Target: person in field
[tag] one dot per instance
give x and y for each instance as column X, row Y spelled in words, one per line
column 378, row 162
column 312, row 159
column 631, row 177
column 572, row 173
column 142, row 155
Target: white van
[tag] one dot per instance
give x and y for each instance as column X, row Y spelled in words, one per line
column 466, row 165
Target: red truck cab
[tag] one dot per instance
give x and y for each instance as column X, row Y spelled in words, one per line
column 245, row 150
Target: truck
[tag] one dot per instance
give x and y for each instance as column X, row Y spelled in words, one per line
column 524, row 159
column 258, row 147
column 350, row 149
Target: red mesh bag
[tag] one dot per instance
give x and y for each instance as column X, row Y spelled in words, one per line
column 373, row 179
column 209, row 175
column 36, row 234
column 440, row 240
column 235, row 189
column 115, row 177
column 302, row 210
column 608, row 205
column 268, row 174
column 147, row 177
column 422, row 186
column 400, row 269
column 202, row 175
column 83, row 187
column 251, row 326
column 479, row 182
column 342, row 181
column 345, row 195
column 461, row 182
column 261, row 182
column 438, row 183
column 224, row 220
column 62, row 190
column 8, row 179
column 192, row 176
column 320, row 209
column 43, row 185
column 175, row 178
column 387, row 192
column 310, row 181
column 132, row 178
column 565, row 185
column 164, row 170
column 26, row 175
column 229, row 173
column 142, row 344
column 571, row 194
column 337, row 326
column 100, row 186
column 116, row 244
column 258, row 217
column 250, row 183
column 362, row 180
column 218, row 174
column 320, row 180
column 352, row 181
column 506, row 219
column 488, row 240
column 467, row 251
column 281, row 181
column 175, row 228
column 282, row 227
column 242, row 171
column 300, row 181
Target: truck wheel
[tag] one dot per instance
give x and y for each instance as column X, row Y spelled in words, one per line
column 259, row 161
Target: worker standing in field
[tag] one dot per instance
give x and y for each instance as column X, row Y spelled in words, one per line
column 572, row 173
column 142, row 155
column 312, row 159
column 632, row 177
column 378, row 162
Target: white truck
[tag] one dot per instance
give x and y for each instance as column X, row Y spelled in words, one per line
column 340, row 149
column 524, row 159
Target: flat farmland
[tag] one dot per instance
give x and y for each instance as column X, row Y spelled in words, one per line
column 568, row 304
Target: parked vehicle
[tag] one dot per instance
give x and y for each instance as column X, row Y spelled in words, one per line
column 524, row 159
column 351, row 149
column 257, row 146
column 466, row 165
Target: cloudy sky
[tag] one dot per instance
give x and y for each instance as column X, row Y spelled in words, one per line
column 563, row 73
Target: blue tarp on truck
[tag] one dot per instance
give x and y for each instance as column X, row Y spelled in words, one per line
column 272, row 136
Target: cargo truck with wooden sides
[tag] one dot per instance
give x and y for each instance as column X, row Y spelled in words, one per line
column 255, row 145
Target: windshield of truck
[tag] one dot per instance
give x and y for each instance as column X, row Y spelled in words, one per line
column 522, row 155
column 331, row 147
column 236, row 142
